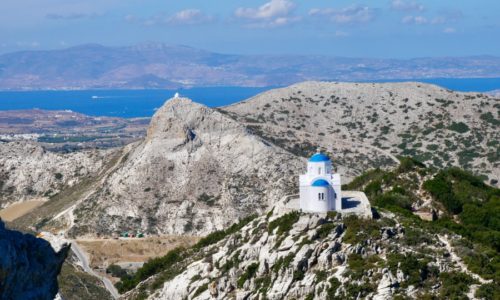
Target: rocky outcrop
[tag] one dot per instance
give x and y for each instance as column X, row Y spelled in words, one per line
column 29, row 266
column 310, row 256
column 196, row 171
column 28, row 171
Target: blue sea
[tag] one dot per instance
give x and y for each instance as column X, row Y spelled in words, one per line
column 143, row 103
column 120, row 103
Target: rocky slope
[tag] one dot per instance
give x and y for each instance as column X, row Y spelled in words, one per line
column 28, row 266
column 293, row 255
column 28, row 171
column 364, row 125
column 196, row 171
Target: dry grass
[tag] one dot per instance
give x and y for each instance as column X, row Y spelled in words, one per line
column 18, row 210
column 104, row 252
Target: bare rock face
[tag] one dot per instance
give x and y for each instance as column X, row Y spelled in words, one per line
column 28, row 266
column 28, row 171
column 197, row 170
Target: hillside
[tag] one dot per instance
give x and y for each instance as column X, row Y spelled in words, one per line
column 196, row 171
column 166, row 66
column 365, row 125
column 293, row 255
column 28, row 171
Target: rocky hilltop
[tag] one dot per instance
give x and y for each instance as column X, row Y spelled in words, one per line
column 197, row 170
column 365, row 125
column 28, row 266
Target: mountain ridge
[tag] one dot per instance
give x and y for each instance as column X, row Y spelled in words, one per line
column 157, row 65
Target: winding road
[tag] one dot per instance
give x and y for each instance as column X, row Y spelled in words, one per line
column 82, row 256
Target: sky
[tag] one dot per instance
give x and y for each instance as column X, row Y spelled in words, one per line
column 370, row 28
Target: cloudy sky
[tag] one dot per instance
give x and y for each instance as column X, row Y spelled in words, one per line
column 370, row 28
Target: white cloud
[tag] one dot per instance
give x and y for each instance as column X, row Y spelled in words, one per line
column 449, row 30
column 70, row 16
column 416, row 20
column 183, row 17
column 274, row 13
column 404, row 5
column 189, row 16
column 269, row 10
column 339, row 33
column 130, row 18
column 346, row 15
column 443, row 18
column 33, row 44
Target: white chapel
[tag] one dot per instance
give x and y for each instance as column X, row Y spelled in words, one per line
column 320, row 188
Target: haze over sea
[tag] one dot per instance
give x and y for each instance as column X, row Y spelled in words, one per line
column 143, row 103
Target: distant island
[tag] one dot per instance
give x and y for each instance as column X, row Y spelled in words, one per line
column 156, row 65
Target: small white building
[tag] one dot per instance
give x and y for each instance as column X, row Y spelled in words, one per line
column 320, row 188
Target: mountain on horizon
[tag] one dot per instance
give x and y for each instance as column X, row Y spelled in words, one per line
column 157, row 65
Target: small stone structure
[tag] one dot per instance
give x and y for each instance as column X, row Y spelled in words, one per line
column 320, row 191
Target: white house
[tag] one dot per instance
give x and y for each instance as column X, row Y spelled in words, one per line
column 320, row 188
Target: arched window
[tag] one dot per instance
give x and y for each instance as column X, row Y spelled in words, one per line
column 321, row 196
column 319, row 170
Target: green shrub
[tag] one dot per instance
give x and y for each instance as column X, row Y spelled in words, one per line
column 359, row 230
column 200, row 290
column 117, row 271
column 392, row 198
column 325, row 229
column 373, row 189
column 361, row 181
column 263, row 283
column 416, row 270
column 208, row 199
column 488, row 291
column 488, row 117
column 455, row 285
column 332, row 289
column 217, row 236
column 284, row 223
column 249, row 273
column 407, row 164
column 441, row 189
column 432, row 147
column 152, row 267
column 459, row 127
column 283, row 262
column 321, row 276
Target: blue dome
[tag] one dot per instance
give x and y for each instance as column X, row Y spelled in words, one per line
column 320, row 182
column 319, row 157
